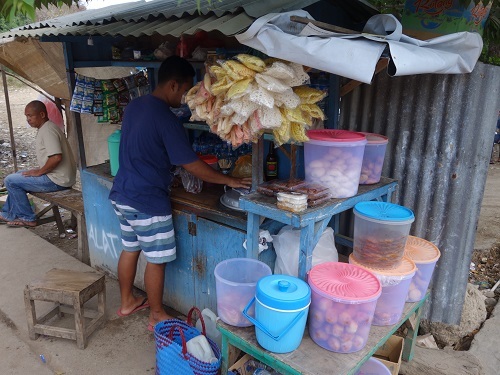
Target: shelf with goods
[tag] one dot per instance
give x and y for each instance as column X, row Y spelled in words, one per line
column 312, row 222
column 311, row 359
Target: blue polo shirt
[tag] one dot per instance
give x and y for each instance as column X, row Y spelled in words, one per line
column 152, row 142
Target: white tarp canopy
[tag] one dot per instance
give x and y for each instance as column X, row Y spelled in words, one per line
column 356, row 55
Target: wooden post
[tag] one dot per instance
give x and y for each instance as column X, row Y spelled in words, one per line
column 9, row 117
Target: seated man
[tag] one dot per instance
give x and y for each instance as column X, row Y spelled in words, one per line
column 57, row 169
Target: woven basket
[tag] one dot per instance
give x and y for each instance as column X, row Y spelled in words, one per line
column 172, row 356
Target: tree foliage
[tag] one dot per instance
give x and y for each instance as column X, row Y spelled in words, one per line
column 12, row 8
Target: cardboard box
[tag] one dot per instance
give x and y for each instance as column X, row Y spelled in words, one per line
column 240, row 365
column 390, row 354
column 426, row 19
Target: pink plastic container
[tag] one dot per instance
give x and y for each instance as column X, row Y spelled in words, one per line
column 343, row 301
column 333, row 158
column 395, row 284
column 425, row 255
column 373, row 367
column 373, row 158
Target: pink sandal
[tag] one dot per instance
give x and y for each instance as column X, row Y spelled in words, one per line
column 21, row 223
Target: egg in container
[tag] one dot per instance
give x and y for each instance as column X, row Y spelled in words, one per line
column 425, row 255
column 395, row 284
column 373, row 158
column 333, row 158
column 343, row 300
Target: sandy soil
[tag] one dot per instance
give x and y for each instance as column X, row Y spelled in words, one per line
column 487, row 245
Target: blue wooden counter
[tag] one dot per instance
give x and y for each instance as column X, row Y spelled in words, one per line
column 312, row 221
column 206, row 233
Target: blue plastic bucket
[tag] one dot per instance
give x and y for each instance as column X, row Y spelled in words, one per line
column 281, row 308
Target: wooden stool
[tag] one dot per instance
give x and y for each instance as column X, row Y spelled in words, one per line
column 70, row 290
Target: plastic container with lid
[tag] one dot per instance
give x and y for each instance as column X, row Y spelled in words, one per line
column 343, row 301
column 373, row 367
column 380, row 233
column 425, row 255
column 373, row 158
column 281, row 307
column 294, row 202
column 333, row 158
column 235, row 282
column 395, row 284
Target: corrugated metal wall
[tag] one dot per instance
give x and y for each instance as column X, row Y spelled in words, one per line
column 441, row 130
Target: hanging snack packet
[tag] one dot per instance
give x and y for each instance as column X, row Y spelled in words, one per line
column 119, row 84
column 123, row 99
column 77, row 98
column 134, row 93
column 104, row 117
column 140, row 79
column 114, row 116
column 129, row 82
column 107, row 86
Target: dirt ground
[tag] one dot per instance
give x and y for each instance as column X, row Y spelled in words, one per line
column 485, row 270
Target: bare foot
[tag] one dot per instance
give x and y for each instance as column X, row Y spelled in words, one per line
column 155, row 317
column 130, row 306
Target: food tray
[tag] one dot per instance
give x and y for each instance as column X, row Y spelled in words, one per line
column 313, row 190
column 271, row 188
column 317, row 201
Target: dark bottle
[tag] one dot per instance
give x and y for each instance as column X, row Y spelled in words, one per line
column 271, row 170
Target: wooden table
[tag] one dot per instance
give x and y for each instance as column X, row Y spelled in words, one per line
column 311, row 359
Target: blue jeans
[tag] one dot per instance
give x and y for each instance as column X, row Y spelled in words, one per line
column 17, row 205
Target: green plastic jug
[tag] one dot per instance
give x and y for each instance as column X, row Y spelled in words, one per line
column 114, row 148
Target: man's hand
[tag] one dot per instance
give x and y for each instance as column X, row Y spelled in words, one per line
column 240, row 182
column 32, row 173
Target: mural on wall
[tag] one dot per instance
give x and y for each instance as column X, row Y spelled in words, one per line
column 104, row 242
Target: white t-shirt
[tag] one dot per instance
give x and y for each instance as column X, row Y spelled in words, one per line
column 50, row 140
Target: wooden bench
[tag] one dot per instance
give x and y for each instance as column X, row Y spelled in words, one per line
column 71, row 200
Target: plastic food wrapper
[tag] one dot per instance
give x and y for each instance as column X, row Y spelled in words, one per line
column 312, row 189
column 316, row 193
column 191, row 183
column 287, row 242
column 243, row 167
column 271, row 188
column 264, row 238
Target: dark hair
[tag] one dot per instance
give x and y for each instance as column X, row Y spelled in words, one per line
column 38, row 106
column 175, row 68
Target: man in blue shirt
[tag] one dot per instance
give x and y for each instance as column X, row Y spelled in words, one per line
column 152, row 142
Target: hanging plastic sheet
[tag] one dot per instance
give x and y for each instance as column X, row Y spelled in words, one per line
column 356, row 55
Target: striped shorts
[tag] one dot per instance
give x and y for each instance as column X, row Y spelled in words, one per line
column 154, row 235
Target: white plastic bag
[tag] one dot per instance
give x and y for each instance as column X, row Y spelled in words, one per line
column 286, row 244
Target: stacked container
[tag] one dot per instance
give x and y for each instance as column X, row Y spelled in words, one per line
column 333, row 158
column 395, row 284
column 373, row 158
column 343, row 300
column 380, row 233
column 425, row 255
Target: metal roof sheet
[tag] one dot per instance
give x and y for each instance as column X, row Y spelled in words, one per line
column 440, row 130
column 159, row 17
